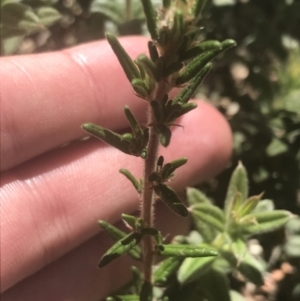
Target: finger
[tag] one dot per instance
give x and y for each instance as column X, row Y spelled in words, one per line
column 75, row 276
column 51, row 205
column 45, row 98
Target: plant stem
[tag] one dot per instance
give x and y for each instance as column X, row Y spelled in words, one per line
column 147, row 192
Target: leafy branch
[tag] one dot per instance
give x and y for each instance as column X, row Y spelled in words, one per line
column 177, row 58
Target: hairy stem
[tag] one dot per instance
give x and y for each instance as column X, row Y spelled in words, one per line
column 147, row 192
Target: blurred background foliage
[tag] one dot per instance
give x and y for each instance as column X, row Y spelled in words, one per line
column 256, row 85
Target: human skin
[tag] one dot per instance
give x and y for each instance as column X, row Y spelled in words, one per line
column 55, row 186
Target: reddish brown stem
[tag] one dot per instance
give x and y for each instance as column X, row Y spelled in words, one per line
column 147, row 192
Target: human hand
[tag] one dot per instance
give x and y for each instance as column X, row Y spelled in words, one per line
column 52, row 196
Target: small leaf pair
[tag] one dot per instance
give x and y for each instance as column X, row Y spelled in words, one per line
column 164, row 172
column 132, row 222
column 146, row 64
column 196, row 65
column 199, row 48
column 130, row 69
column 133, row 144
column 166, row 194
column 126, row 243
column 116, row 234
column 167, row 111
column 187, row 92
column 262, row 222
column 177, row 253
column 136, row 71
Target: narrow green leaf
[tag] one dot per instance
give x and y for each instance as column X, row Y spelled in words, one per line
column 171, row 109
column 192, row 268
column 149, row 66
column 153, row 51
column 124, row 298
column 195, row 197
column 146, row 292
column 170, row 198
column 120, row 248
column 207, row 232
column 210, row 214
column 192, row 68
column 187, row 92
column 199, row 5
column 108, row 137
column 128, row 137
column 140, row 87
column 200, row 48
column 166, row 269
column 126, row 62
column 185, row 108
column 266, row 221
column 248, row 206
column 117, row 234
column 239, row 250
column 113, row 232
column 178, row 250
column 237, row 202
column 164, row 135
column 179, row 25
column 130, row 220
column 131, row 178
column 238, row 183
column 151, row 17
column 169, row 168
column 227, row 44
column 135, row 126
column 135, row 146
